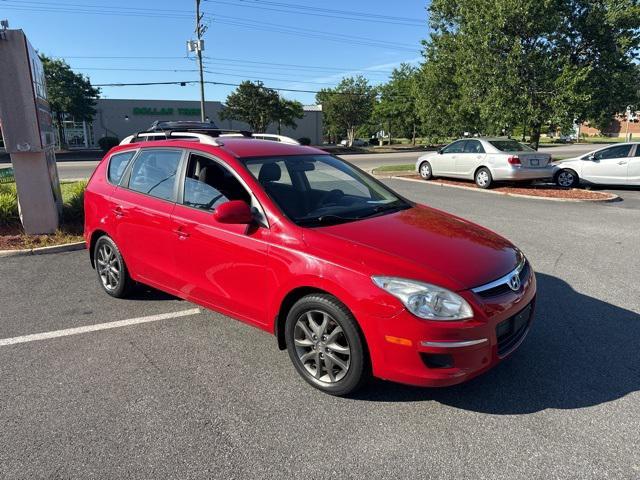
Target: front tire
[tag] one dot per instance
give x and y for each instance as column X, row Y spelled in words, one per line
column 425, row 170
column 483, row 178
column 567, row 178
column 112, row 271
column 325, row 345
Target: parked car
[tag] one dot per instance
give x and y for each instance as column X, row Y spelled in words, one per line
column 612, row 165
column 357, row 142
column 486, row 160
column 352, row 279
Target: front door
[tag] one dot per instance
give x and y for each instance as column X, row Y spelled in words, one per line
column 609, row 166
column 445, row 162
column 222, row 266
column 142, row 208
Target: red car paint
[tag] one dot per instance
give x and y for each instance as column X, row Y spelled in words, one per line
column 252, row 272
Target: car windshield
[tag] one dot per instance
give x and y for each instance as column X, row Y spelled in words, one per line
column 510, row 146
column 314, row 190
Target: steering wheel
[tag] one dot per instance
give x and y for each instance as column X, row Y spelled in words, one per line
column 331, row 197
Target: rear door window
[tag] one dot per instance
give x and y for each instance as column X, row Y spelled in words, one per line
column 154, row 173
column 473, row 146
column 117, row 165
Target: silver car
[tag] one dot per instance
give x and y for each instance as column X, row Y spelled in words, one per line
column 486, row 160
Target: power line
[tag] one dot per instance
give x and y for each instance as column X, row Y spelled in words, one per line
column 326, row 13
column 74, row 8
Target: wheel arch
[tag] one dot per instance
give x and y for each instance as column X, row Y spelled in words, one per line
column 95, row 235
column 287, row 302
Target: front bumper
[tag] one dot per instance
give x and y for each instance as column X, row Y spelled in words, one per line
column 516, row 173
column 437, row 354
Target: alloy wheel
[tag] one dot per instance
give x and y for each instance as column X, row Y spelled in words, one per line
column 425, row 170
column 108, row 266
column 321, row 346
column 566, row 179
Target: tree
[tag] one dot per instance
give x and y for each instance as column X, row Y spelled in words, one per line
column 397, row 106
column 287, row 112
column 494, row 65
column 259, row 106
column 347, row 106
column 69, row 93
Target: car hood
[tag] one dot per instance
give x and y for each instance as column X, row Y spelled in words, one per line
column 425, row 244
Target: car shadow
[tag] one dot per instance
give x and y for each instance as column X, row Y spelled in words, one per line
column 580, row 352
column 144, row 292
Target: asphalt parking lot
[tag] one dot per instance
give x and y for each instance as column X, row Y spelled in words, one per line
column 204, row 396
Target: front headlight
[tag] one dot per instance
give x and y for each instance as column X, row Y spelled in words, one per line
column 425, row 300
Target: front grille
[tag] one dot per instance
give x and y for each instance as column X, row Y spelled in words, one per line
column 510, row 332
column 504, row 287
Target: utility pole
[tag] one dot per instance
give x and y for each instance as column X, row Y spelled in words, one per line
column 628, row 112
column 200, row 29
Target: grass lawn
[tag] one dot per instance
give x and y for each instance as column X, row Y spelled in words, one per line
column 396, row 168
column 12, row 235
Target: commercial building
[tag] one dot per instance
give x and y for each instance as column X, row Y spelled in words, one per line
column 617, row 128
column 122, row 117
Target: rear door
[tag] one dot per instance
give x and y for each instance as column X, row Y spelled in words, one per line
column 472, row 156
column 445, row 162
column 142, row 208
column 609, row 166
column 633, row 177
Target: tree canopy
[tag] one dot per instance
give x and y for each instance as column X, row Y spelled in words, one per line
column 492, row 66
column 396, row 108
column 259, row 106
column 347, row 106
column 68, row 92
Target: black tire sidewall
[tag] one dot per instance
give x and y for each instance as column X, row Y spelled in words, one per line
column 358, row 369
column 489, row 182
column 430, row 176
column 125, row 281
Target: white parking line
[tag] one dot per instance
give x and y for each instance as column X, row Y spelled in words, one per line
column 94, row 328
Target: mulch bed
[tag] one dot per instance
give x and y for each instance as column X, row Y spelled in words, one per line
column 536, row 190
column 13, row 237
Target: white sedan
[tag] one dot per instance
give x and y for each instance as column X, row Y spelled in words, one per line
column 486, row 160
column 611, row 165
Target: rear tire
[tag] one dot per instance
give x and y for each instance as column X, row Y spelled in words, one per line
column 567, row 178
column 483, row 178
column 325, row 345
column 425, row 170
column 112, row 271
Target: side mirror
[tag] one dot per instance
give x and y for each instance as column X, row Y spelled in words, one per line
column 233, row 211
column 591, row 157
column 440, row 150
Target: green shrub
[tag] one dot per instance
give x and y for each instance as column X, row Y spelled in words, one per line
column 304, row 141
column 107, row 143
column 8, row 208
column 73, row 197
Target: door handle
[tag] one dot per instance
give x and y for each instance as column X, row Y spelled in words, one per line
column 118, row 212
column 181, row 233
column 622, row 162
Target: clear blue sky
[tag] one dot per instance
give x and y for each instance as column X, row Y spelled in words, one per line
column 324, row 39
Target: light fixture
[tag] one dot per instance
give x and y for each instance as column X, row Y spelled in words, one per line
column 126, row 118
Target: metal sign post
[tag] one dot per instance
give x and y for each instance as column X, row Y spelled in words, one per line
column 27, row 129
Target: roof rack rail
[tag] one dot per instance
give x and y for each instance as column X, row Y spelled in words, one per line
column 167, row 135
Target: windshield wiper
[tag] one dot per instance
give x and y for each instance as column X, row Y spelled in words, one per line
column 386, row 208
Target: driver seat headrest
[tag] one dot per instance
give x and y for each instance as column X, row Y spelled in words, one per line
column 269, row 172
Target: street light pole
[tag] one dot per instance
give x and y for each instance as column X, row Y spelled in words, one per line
column 199, row 48
column 626, row 135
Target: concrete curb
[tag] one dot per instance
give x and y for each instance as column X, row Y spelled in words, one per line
column 611, row 197
column 67, row 247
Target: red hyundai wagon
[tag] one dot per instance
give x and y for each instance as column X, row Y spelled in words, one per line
column 352, row 279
